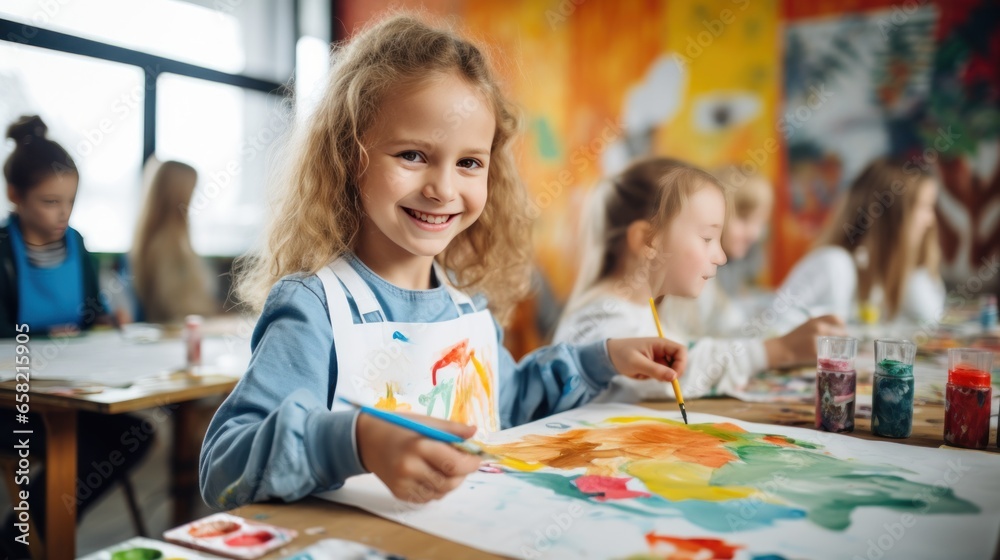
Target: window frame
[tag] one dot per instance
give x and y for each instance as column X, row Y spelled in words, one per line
column 151, row 65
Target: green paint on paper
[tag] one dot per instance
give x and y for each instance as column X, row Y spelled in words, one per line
column 442, row 391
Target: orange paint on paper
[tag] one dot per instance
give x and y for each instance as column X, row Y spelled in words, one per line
column 211, row 529
column 672, row 460
column 678, row 548
column 464, row 394
column 632, row 441
column 457, row 354
column 469, row 392
column 484, row 378
column 473, row 394
column 779, row 441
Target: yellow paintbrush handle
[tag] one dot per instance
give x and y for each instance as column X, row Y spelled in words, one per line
column 677, row 391
column 677, row 386
column 656, row 318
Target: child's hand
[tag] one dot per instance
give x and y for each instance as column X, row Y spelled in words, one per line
column 648, row 358
column 798, row 347
column 416, row 469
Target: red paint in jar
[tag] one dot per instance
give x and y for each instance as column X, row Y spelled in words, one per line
column 968, row 395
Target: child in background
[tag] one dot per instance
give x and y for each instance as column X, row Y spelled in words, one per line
column 169, row 278
column 724, row 307
column 879, row 249
column 753, row 201
column 49, row 283
column 657, row 228
column 48, row 279
column 402, row 199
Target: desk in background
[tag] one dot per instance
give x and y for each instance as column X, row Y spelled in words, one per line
column 129, row 377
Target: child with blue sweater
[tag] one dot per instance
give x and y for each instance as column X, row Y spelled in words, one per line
column 401, row 200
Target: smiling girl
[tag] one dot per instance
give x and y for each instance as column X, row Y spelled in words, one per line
column 403, row 200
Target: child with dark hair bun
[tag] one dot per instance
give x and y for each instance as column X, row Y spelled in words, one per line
column 47, row 277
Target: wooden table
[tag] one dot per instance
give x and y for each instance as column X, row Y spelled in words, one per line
column 175, row 392
column 345, row 522
column 59, row 415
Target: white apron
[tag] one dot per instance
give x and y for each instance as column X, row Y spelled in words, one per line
column 446, row 369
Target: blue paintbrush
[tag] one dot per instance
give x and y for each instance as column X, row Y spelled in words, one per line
column 422, row 429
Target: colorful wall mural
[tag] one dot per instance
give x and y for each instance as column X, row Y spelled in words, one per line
column 804, row 93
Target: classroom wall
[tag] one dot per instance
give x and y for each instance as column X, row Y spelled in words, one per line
column 919, row 80
column 803, row 92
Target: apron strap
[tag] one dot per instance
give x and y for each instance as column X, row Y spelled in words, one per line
column 336, row 299
column 363, row 296
column 341, row 271
column 458, row 297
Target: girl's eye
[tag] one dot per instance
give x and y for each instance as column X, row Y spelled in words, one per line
column 415, row 157
column 469, row 163
column 708, row 239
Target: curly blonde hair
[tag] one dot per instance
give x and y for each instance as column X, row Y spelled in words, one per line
column 319, row 211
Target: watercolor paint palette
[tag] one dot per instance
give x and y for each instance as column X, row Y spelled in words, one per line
column 230, row 536
column 141, row 548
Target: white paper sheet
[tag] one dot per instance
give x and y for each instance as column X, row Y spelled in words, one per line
column 108, row 359
column 512, row 515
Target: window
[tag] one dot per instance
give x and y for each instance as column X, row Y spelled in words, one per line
column 226, row 133
column 312, row 67
column 211, row 38
column 198, row 81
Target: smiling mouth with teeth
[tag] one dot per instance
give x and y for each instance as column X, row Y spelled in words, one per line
column 435, row 219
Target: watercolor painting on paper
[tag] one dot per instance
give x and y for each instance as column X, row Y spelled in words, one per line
column 450, row 375
column 623, row 481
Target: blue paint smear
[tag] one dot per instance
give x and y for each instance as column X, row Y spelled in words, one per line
column 399, row 336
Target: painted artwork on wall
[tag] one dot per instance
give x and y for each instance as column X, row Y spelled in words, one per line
column 962, row 127
column 852, row 86
column 620, row 481
column 804, row 93
column 918, row 82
